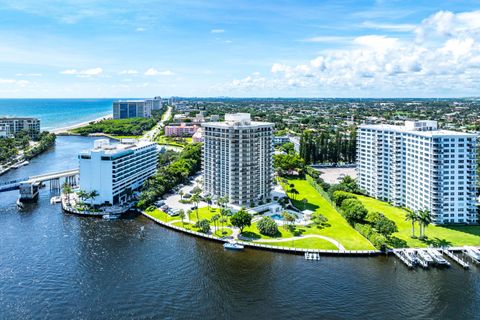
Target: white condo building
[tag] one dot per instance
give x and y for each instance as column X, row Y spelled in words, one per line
column 419, row 166
column 114, row 169
column 125, row 109
column 237, row 159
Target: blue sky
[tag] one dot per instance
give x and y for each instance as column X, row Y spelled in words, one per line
column 140, row 48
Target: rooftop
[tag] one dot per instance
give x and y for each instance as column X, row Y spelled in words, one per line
column 16, row 118
column 104, row 146
column 237, row 120
column 420, row 128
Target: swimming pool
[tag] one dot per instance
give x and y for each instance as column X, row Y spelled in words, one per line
column 277, row 216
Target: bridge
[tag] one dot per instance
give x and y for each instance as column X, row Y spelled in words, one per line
column 29, row 186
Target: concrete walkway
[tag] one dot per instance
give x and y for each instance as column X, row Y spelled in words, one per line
column 334, row 242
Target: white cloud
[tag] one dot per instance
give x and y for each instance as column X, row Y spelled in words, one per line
column 84, row 73
column 217, row 31
column 446, row 24
column 444, row 58
column 140, row 29
column 155, row 72
column 29, row 74
column 129, row 72
column 402, row 27
column 21, row 83
column 328, row 39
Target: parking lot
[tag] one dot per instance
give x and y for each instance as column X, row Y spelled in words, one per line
column 172, row 200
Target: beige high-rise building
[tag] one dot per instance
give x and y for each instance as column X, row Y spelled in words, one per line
column 237, row 159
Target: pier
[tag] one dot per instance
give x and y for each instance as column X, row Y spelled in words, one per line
column 456, row 258
column 426, row 257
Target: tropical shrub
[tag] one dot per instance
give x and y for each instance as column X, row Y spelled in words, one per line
column 267, row 227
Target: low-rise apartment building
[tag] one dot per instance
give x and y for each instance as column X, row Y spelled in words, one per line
column 11, row 126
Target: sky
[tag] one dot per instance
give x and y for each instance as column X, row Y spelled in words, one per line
column 142, row 48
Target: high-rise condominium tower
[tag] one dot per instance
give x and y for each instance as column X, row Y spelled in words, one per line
column 420, row 167
column 237, row 159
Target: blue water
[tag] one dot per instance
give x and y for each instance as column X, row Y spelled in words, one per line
column 277, row 217
column 57, row 113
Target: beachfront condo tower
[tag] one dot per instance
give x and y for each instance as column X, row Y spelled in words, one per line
column 419, row 166
column 115, row 170
column 237, row 159
column 125, row 109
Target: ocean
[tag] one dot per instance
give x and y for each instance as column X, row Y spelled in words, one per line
column 56, row 113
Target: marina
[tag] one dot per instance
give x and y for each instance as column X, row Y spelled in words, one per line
column 428, row 257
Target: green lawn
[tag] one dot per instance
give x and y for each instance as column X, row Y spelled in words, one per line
column 185, row 225
column 336, row 228
column 204, row 213
column 125, row 137
column 223, row 232
column 309, row 243
column 436, row 235
column 173, row 141
column 159, row 214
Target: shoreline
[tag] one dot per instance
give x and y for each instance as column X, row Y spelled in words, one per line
column 255, row 245
column 64, row 130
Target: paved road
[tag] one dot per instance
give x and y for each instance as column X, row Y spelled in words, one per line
column 150, row 135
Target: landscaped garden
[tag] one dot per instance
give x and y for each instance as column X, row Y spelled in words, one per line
column 435, row 235
column 307, row 243
column 336, row 227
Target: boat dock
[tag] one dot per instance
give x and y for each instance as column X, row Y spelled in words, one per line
column 473, row 253
column 312, row 256
column 427, row 257
column 456, row 258
column 400, row 254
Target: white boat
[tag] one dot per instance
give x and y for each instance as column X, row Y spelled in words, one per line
column 438, row 257
column 410, row 255
column 20, row 164
column 472, row 253
column 56, row 199
column 425, row 256
column 233, row 246
column 111, row 216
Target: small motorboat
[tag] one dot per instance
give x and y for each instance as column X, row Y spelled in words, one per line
column 233, row 246
column 111, row 216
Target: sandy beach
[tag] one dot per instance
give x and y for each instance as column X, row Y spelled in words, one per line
column 78, row 125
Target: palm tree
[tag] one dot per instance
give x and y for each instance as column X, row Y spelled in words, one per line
column 223, row 220
column 181, row 214
column 189, row 212
column 82, row 194
column 304, row 201
column 181, row 193
column 294, row 193
column 222, row 201
column 196, row 199
column 208, row 199
column 413, row 217
column 67, row 189
column 215, row 219
column 92, row 195
column 425, row 219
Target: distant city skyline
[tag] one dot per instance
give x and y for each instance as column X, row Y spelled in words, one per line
column 89, row 49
